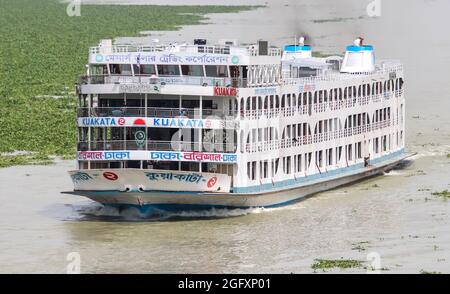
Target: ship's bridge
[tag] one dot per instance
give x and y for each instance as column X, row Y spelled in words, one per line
column 179, row 68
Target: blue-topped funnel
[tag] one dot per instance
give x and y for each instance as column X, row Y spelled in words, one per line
column 359, row 58
column 300, row 50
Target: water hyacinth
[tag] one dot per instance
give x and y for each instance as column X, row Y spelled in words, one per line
column 42, row 53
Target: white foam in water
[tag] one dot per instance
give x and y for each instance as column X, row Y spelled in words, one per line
column 96, row 211
column 435, row 151
column 394, row 173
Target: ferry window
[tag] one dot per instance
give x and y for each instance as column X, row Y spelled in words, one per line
column 216, row 71
column 254, row 170
column 148, row 69
column 338, row 154
column 330, row 157
column 126, row 69
column 299, row 163
column 275, row 166
column 120, row 69
column 287, row 165
column 114, row 69
column 98, row 69
column 192, row 70
column 319, row 160
column 115, row 164
column 133, row 164
column 266, row 169
column 168, row 70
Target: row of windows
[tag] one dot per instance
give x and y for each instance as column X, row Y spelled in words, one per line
column 322, row 126
column 330, row 157
column 318, row 97
column 264, row 74
column 162, row 70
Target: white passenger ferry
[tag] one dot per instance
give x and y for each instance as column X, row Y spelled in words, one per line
column 181, row 127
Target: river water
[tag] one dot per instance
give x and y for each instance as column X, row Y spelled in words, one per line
column 394, row 215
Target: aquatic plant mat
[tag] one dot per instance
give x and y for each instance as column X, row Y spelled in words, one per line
column 327, row 264
column 42, row 53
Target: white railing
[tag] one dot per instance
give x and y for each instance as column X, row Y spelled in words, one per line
column 316, row 138
column 175, row 48
column 320, row 107
column 162, row 80
column 382, row 68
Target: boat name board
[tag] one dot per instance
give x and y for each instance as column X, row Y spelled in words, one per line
column 266, row 91
column 155, row 58
column 307, row 88
column 139, row 88
column 225, row 91
column 157, row 156
column 145, row 180
column 156, row 122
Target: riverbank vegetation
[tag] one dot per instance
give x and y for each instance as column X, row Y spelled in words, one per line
column 327, row 264
column 443, row 194
column 43, row 51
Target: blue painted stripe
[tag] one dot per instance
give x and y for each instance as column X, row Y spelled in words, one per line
column 354, row 48
column 294, row 48
column 287, row 184
column 293, row 183
column 197, row 207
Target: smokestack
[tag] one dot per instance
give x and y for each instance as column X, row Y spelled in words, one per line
column 296, row 51
column 359, row 58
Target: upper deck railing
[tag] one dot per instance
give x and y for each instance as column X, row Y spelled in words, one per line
column 163, row 80
column 153, row 112
column 182, row 146
column 209, row 49
column 383, row 68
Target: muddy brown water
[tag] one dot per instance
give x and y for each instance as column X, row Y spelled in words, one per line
column 394, row 215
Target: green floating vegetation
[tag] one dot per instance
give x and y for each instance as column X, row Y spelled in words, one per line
column 337, row 19
column 443, row 194
column 417, row 173
column 360, row 246
column 324, row 264
column 33, row 159
column 42, row 53
column 430, row 273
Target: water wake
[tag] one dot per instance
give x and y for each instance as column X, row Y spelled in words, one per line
column 97, row 212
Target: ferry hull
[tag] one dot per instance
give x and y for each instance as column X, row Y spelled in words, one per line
column 182, row 201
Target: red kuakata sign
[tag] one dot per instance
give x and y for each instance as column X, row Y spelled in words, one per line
column 223, row 91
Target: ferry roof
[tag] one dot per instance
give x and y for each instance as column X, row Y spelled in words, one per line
column 224, row 53
column 224, row 47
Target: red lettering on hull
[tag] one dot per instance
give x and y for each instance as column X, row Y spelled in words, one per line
column 223, row 91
